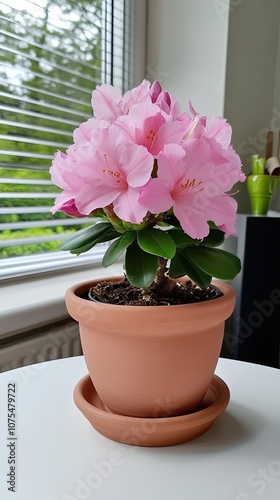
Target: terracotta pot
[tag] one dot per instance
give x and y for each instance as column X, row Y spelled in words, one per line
column 150, row 361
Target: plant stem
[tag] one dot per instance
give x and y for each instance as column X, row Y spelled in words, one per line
column 160, row 277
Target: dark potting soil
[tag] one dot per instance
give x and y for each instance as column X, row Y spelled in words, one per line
column 168, row 293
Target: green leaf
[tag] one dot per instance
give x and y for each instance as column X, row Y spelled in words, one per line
column 88, row 237
column 180, row 266
column 212, row 225
column 117, row 248
column 161, row 223
column 78, row 251
column 140, row 267
column 218, row 263
column 110, row 234
column 156, row 242
column 214, row 239
column 180, row 238
column 172, row 221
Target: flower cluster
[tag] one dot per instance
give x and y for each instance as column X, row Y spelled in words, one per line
column 140, row 162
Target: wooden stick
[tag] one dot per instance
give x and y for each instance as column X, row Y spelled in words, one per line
column 269, row 144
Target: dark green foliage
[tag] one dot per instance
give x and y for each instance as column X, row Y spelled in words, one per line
column 156, row 242
column 118, row 246
column 87, row 238
column 140, row 266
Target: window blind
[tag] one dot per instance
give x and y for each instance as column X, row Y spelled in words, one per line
column 52, row 54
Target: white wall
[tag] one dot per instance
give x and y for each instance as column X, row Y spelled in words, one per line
column 186, row 51
column 252, row 98
column 226, row 59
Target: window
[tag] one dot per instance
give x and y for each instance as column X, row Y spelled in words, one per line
column 53, row 53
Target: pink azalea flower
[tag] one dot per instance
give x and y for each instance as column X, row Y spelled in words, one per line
column 141, row 93
column 113, row 174
column 196, row 124
column 219, row 129
column 147, row 125
column 108, row 104
column 112, row 162
column 65, row 202
column 186, row 182
column 63, row 175
column 155, row 91
column 85, row 131
column 164, row 101
column 214, row 127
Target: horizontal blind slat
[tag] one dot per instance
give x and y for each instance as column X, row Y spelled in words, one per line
column 37, row 182
column 47, row 223
column 25, row 112
column 28, row 140
column 24, row 210
column 23, row 166
column 25, row 155
column 43, row 104
column 22, row 196
column 36, row 128
column 29, row 241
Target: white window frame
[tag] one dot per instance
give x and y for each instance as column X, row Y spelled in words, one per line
column 20, row 267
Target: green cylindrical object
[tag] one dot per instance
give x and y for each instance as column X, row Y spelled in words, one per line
column 261, row 189
column 257, row 164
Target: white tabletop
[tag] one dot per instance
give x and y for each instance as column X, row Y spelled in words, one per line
column 59, row 456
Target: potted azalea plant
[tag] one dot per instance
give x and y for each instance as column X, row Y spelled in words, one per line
column 157, row 180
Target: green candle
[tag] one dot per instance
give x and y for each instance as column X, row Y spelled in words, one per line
column 257, row 164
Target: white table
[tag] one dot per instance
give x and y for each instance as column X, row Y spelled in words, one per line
column 59, row 456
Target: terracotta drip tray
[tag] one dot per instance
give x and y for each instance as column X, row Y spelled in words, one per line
column 151, row 431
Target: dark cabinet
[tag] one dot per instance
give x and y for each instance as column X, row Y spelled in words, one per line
column 255, row 325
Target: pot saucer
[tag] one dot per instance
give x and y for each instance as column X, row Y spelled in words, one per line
column 164, row 431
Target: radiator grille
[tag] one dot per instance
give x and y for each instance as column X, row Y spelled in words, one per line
column 60, row 340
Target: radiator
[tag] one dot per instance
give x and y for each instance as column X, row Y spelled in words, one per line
column 60, row 340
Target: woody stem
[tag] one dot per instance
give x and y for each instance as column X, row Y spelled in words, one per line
column 160, row 277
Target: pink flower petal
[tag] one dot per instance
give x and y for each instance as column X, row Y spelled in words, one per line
column 219, row 129
column 84, row 131
column 90, row 197
column 106, row 102
column 222, row 211
column 127, row 207
column 155, row 90
column 65, row 202
column 63, row 173
column 170, row 165
column 155, row 197
column 148, row 132
column 137, row 165
column 192, row 220
column 169, row 132
column 138, row 94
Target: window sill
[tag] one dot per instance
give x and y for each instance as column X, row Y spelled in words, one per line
column 30, row 302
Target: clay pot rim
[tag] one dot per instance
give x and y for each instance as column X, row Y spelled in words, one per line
column 74, row 293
